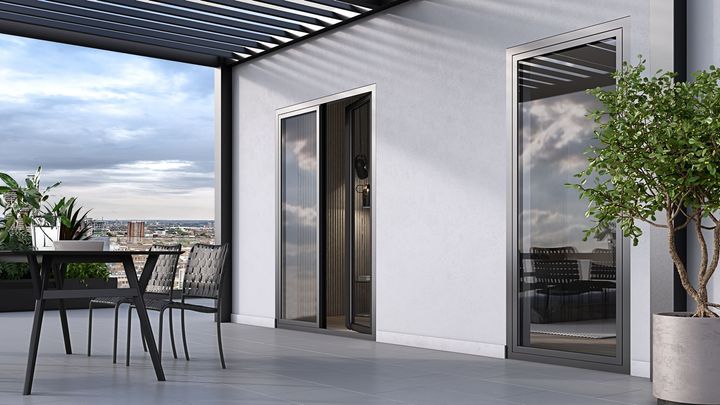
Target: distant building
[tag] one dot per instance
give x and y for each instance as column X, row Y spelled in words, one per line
column 135, row 231
column 98, row 227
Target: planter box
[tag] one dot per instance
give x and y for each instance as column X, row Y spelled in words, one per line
column 17, row 295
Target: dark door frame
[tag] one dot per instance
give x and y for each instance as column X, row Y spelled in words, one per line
column 350, row 281
column 621, row 362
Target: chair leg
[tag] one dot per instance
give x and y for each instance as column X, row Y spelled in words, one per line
column 182, row 325
column 127, row 351
column 172, row 333
column 219, row 336
column 115, row 333
column 90, row 308
column 160, row 337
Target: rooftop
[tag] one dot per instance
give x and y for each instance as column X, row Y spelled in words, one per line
column 277, row 366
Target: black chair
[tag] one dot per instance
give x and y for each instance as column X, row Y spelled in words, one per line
column 160, row 282
column 203, row 278
column 556, row 275
column 603, row 274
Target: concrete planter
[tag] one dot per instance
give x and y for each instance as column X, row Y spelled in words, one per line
column 686, row 359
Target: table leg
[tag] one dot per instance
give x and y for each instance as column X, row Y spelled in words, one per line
column 59, row 281
column 144, row 319
column 37, row 322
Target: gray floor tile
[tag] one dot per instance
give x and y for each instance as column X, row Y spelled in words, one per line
column 275, row 366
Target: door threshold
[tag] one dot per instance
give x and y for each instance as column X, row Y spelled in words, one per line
column 348, row 334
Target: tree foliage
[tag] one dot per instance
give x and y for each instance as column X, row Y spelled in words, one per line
column 658, row 161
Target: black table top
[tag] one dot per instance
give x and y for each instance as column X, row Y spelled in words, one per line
column 34, row 252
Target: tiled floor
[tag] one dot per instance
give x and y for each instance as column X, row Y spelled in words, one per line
column 274, row 366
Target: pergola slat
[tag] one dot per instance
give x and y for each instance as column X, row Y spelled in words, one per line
column 271, row 22
column 73, row 7
column 67, row 26
column 338, row 4
column 307, row 9
column 161, row 9
column 272, row 11
column 213, row 29
column 111, row 26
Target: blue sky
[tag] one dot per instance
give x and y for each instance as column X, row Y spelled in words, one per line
column 131, row 137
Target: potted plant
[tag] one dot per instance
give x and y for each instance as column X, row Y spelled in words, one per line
column 26, row 209
column 657, row 161
column 74, row 233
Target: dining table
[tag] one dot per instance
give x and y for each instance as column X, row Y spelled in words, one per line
column 44, row 264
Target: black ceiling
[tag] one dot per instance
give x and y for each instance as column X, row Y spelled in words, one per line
column 206, row 32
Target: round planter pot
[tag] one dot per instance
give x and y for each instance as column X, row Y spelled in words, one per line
column 686, row 358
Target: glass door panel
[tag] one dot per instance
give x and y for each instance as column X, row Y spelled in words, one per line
column 299, row 216
column 567, row 295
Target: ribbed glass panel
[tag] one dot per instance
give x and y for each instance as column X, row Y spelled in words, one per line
column 300, row 264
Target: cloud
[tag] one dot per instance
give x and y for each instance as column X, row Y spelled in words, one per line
column 107, row 124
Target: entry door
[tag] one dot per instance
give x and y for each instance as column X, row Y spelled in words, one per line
column 299, row 209
column 358, row 121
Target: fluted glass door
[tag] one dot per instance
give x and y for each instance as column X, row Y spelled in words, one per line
column 299, row 217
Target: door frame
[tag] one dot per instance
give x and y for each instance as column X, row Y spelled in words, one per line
column 349, row 270
column 293, row 110
column 619, row 28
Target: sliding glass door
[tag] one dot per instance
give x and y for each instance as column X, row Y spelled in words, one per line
column 299, row 217
column 567, row 290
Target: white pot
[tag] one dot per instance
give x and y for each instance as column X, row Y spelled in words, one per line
column 44, row 236
column 686, row 358
column 79, row 245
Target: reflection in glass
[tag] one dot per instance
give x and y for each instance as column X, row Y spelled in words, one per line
column 299, row 255
column 567, row 295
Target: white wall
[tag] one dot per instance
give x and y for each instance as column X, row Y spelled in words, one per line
column 441, row 173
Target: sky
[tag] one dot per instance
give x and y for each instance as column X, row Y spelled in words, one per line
column 131, row 137
column 556, row 132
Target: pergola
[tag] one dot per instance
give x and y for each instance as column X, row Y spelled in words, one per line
column 204, row 32
column 214, row 33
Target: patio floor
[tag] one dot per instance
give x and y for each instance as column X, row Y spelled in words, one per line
column 275, row 366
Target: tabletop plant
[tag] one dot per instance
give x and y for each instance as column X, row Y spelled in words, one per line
column 24, row 204
column 657, row 160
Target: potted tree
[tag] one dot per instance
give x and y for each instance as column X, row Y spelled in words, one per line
column 657, row 161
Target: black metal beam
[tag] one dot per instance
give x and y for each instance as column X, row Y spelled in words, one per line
column 271, row 22
column 171, row 24
column 80, row 26
column 106, row 27
column 239, row 5
column 307, row 9
column 207, row 18
column 226, row 183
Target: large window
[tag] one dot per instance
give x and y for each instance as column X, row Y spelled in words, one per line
column 567, row 290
